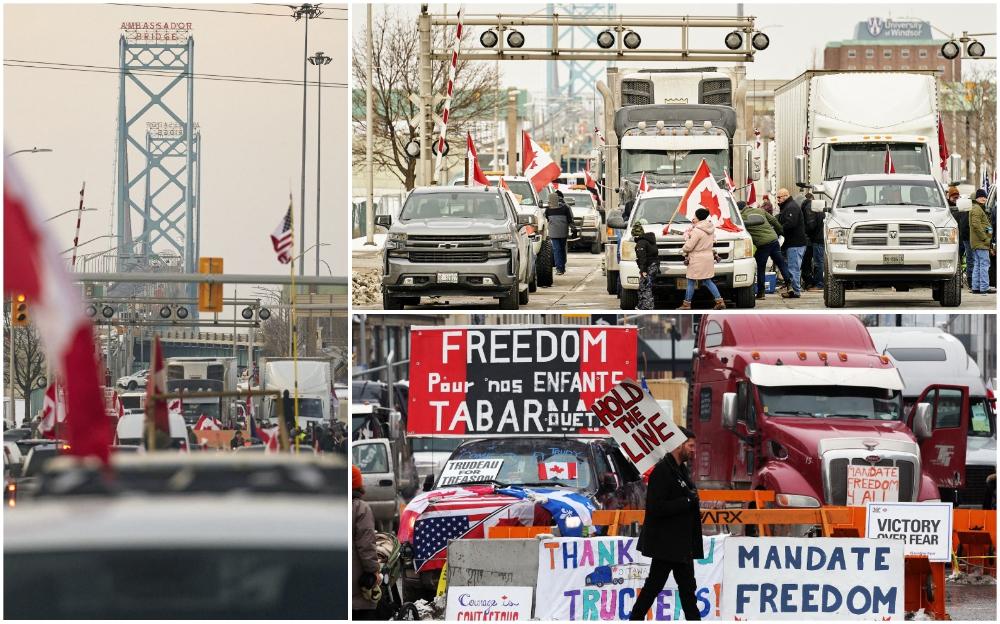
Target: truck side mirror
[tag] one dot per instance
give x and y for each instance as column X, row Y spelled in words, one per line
column 955, row 176
column 800, row 170
column 818, row 205
column 964, row 204
column 615, row 221
column 383, row 220
column 922, row 421
column 753, row 166
column 729, row 410
column 524, row 218
column 429, row 483
column 754, row 219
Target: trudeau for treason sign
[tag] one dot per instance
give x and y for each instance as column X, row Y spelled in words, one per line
column 514, row 380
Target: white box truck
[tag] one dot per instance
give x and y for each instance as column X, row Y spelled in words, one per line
column 204, row 374
column 315, row 388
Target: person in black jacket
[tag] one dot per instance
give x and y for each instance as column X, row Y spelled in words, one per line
column 647, row 256
column 794, row 231
column 560, row 217
column 671, row 532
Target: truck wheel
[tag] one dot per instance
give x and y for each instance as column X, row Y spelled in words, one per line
column 744, row 297
column 595, row 247
column 630, row 298
column 533, row 284
column 522, row 297
column 543, row 264
column 612, row 282
column 389, row 302
column 833, row 292
column 510, row 300
column 951, row 292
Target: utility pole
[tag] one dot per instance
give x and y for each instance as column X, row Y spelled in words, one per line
column 319, row 60
column 512, row 132
column 307, row 11
column 13, row 406
column 369, row 137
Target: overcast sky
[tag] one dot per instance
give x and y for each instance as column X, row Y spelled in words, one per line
column 251, row 133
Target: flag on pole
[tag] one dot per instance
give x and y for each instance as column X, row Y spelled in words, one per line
column 53, row 412
column 156, row 383
column 207, row 424
column 34, row 268
column 116, row 405
column 943, row 152
column 476, row 175
column 643, row 185
column 889, row 167
column 537, row 165
column 704, row 192
column 729, row 180
column 752, row 196
column 281, row 238
column 600, row 135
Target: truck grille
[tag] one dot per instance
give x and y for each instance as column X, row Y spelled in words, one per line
column 422, row 238
column 635, row 91
column 975, row 484
column 717, row 91
column 448, row 256
column 911, row 235
column 837, row 477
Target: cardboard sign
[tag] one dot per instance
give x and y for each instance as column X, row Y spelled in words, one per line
column 514, row 380
column 642, row 429
column 872, row 484
column 923, row 528
column 469, row 471
column 488, row 603
column 599, row 578
column 801, row 579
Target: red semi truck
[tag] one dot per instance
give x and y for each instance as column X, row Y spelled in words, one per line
column 801, row 404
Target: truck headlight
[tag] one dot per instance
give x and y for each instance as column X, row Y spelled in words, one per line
column 836, row 236
column 742, row 249
column 395, row 240
column 628, row 250
column 947, row 235
column 501, row 240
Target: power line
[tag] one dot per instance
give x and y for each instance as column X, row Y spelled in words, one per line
column 188, row 8
column 103, row 69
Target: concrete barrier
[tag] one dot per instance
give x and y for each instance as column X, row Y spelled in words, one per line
column 499, row 562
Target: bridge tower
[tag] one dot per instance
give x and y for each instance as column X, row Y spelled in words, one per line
column 581, row 76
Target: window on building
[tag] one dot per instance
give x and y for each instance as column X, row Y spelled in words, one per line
column 923, row 67
column 905, row 53
column 852, row 54
column 941, row 68
column 851, row 67
column 869, row 53
column 904, row 66
column 869, row 67
column 922, row 53
column 887, row 67
column 939, row 53
column 887, row 53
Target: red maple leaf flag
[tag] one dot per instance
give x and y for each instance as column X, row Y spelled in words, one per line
column 889, row 167
column 537, row 165
column 643, row 184
column 704, row 192
column 942, row 145
column 33, row 267
column 476, row 175
column 729, row 182
column 752, row 196
column 156, row 383
column 556, row 470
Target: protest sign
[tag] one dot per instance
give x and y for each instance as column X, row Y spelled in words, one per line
column 488, row 603
column 872, row 484
column 514, row 380
column 923, row 528
column 599, row 578
column 469, row 471
column 642, row 429
column 812, row 578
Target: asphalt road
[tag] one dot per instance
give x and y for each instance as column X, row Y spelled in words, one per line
column 584, row 287
column 971, row 602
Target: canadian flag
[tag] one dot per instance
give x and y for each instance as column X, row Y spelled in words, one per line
column 156, row 383
column 33, row 267
column 53, row 412
column 116, row 405
column 475, row 173
column 729, row 182
column 207, row 424
column 943, row 152
column 704, row 192
column 270, row 439
column 889, row 167
column 752, row 196
column 588, row 180
column 556, row 470
column 643, row 184
column 536, row 163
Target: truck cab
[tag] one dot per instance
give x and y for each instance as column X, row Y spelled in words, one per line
column 204, row 374
column 790, row 403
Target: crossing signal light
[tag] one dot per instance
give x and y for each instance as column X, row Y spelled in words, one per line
column 19, row 311
column 209, row 295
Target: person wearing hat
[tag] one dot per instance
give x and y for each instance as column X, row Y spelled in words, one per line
column 765, row 242
column 647, row 256
column 365, row 577
column 980, row 237
column 560, row 219
column 699, row 253
column 962, row 219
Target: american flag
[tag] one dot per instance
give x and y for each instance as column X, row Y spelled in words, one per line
column 281, row 238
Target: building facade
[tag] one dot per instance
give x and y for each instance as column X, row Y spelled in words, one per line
column 887, row 44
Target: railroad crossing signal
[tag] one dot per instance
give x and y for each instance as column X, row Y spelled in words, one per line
column 19, row 311
column 209, row 295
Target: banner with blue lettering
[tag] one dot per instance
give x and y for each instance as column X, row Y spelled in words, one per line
column 813, row 579
column 598, row 578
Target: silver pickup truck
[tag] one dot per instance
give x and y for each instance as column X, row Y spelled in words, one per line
column 457, row 240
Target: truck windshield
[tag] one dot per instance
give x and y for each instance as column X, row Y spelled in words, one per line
column 194, row 411
column 982, row 423
column 466, row 205
column 661, row 209
column 831, row 402
column 521, row 188
column 308, row 408
column 853, row 158
column 672, row 166
column 897, row 193
column 534, row 461
column 584, row 202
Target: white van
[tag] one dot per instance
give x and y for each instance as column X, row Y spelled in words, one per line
column 131, row 431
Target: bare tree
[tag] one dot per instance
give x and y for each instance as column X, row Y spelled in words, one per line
column 29, row 361
column 396, row 76
column 982, row 99
column 274, row 331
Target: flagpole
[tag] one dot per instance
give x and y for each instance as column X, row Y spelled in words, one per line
column 295, row 347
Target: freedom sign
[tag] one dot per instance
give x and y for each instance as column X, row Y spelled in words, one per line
column 872, row 484
column 923, row 528
column 599, row 578
column 644, row 431
column 812, row 579
column 514, row 380
column 488, row 603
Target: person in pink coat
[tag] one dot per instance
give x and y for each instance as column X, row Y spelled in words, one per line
column 699, row 252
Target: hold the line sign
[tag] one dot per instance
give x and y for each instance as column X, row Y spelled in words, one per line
column 642, row 429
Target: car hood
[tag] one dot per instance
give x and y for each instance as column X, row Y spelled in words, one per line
column 445, row 227
column 806, row 433
column 846, row 217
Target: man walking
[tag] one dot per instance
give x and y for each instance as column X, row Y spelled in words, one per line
column 814, row 232
column 560, row 219
column 794, row 231
column 671, row 532
column 765, row 242
column 980, row 235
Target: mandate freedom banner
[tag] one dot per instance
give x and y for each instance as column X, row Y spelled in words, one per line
column 495, row 604
column 922, row 528
column 514, row 380
column 599, row 578
column 836, row 578
column 642, row 429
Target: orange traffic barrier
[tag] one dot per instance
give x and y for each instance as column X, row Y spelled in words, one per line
column 974, row 539
column 924, row 587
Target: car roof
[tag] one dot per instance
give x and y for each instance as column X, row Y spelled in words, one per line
column 508, row 177
column 676, row 191
column 888, row 177
column 422, row 190
column 232, row 521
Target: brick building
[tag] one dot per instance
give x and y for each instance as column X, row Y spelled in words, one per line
column 891, row 44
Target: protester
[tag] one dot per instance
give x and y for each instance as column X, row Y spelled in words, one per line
column 793, row 229
column 366, row 580
column 962, row 218
column 980, row 235
column 765, row 205
column 765, row 242
column 699, row 255
column 238, row 440
column 814, row 235
column 648, row 259
column 671, row 531
column 560, row 219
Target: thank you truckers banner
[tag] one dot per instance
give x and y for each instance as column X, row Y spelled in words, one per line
column 514, row 380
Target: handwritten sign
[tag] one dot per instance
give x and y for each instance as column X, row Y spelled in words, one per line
column 872, row 484
column 469, row 471
column 923, row 528
column 643, row 430
column 488, row 603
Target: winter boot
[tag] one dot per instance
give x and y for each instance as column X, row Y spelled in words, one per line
column 685, row 306
column 720, row 304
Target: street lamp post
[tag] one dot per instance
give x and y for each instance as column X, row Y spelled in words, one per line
column 65, row 212
column 307, row 11
column 319, row 60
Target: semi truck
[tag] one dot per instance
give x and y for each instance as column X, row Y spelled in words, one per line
column 204, row 374
column 831, row 123
column 797, row 404
column 314, row 387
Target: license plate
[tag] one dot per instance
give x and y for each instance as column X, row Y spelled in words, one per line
column 892, row 258
column 448, row 278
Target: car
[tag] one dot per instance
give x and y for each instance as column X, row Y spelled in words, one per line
column 457, row 240
column 13, row 435
column 133, row 381
column 891, row 230
column 132, row 426
column 376, row 461
column 587, row 218
column 34, row 464
column 12, row 457
column 530, row 202
column 165, row 557
column 26, row 444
